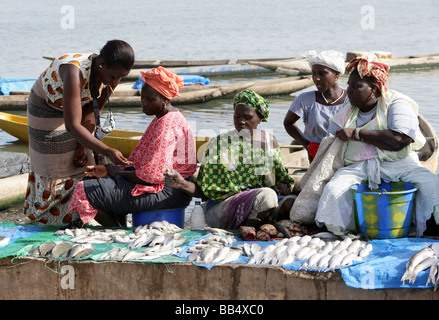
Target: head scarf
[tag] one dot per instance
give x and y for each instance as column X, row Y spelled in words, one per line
column 332, row 59
column 164, row 81
column 376, row 70
column 254, row 100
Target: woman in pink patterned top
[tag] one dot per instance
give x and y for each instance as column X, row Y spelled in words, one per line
column 167, row 142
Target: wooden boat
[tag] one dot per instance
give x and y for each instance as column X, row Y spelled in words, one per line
column 138, row 64
column 301, row 66
column 126, row 97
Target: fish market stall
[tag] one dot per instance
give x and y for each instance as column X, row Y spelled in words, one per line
column 165, row 262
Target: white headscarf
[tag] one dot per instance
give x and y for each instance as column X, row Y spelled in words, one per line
column 330, row 58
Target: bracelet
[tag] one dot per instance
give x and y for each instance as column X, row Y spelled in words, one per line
column 357, row 135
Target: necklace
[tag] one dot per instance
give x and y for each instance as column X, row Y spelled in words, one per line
column 342, row 92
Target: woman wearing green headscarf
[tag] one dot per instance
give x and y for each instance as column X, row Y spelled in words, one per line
column 241, row 174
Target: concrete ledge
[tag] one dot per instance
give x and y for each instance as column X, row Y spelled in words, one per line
column 31, row 278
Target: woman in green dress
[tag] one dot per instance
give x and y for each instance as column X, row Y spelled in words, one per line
column 241, row 174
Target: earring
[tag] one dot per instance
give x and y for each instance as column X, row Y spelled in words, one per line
column 100, row 66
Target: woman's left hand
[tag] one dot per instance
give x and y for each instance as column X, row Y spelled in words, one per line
column 345, row 134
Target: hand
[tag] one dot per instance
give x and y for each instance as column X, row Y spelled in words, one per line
column 98, row 171
column 345, row 134
column 282, row 189
column 80, row 156
column 117, row 158
column 173, row 178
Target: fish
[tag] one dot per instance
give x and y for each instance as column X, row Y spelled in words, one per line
column 76, row 249
column 314, row 260
column 432, row 275
column 365, row 251
column 60, row 250
column 323, row 262
column 303, row 241
column 232, row 256
column 416, row 259
column 221, row 254
column 45, row 248
column 302, row 252
column 208, row 254
column 85, row 252
column 335, row 261
column 423, row 265
column 348, row 259
column 218, row 231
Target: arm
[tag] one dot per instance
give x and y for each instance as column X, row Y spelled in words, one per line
column 72, row 79
column 293, row 130
column 383, row 139
column 101, row 171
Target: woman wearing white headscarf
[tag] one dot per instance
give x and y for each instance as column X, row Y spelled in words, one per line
column 317, row 107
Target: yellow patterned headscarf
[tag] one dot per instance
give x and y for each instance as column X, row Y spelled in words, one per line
column 376, row 70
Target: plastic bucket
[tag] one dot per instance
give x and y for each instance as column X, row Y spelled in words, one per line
column 175, row 216
column 384, row 213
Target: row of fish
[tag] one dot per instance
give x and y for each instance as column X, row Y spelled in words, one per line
column 316, row 254
column 420, row 261
column 62, row 249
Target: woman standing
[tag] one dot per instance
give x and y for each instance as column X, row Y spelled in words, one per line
column 60, row 116
column 317, row 107
column 168, row 142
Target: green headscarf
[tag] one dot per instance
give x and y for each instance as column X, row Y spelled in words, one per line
column 254, row 100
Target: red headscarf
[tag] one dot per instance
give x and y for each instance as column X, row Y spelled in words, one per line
column 164, row 81
column 378, row 71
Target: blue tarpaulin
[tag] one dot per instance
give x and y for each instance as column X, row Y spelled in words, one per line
column 188, row 80
column 15, row 84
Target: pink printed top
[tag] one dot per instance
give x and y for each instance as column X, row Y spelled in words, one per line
column 168, row 142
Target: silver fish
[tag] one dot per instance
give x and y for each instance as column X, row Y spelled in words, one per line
column 45, row 248
column 84, row 253
column 232, row 256
column 221, row 254
column 76, row 249
column 432, row 275
column 60, row 250
column 323, row 262
column 416, row 259
column 334, row 262
column 425, row 264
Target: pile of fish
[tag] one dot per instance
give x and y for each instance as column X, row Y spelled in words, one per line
column 214, row 249
column 317, row 254
column 422, row 260
column 61, row 249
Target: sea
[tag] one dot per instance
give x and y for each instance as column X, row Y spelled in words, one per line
column 228, row 29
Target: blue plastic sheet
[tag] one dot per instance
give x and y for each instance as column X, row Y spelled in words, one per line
column 381, row 269
column 15, row 232
column 15, row 84
column 188, row 80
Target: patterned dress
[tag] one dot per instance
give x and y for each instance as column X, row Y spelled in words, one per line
column 232, row 174
column 168, row 142
column 51, row 147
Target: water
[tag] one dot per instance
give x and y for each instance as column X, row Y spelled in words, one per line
column 200, row 29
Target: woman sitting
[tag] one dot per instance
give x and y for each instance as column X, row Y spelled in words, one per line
column 242, row 173
column 317, row 107
column 382, row 130
column 168, row 142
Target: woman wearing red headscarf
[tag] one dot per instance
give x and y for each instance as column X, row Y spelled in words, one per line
column 382, row 132
column 167, row 142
